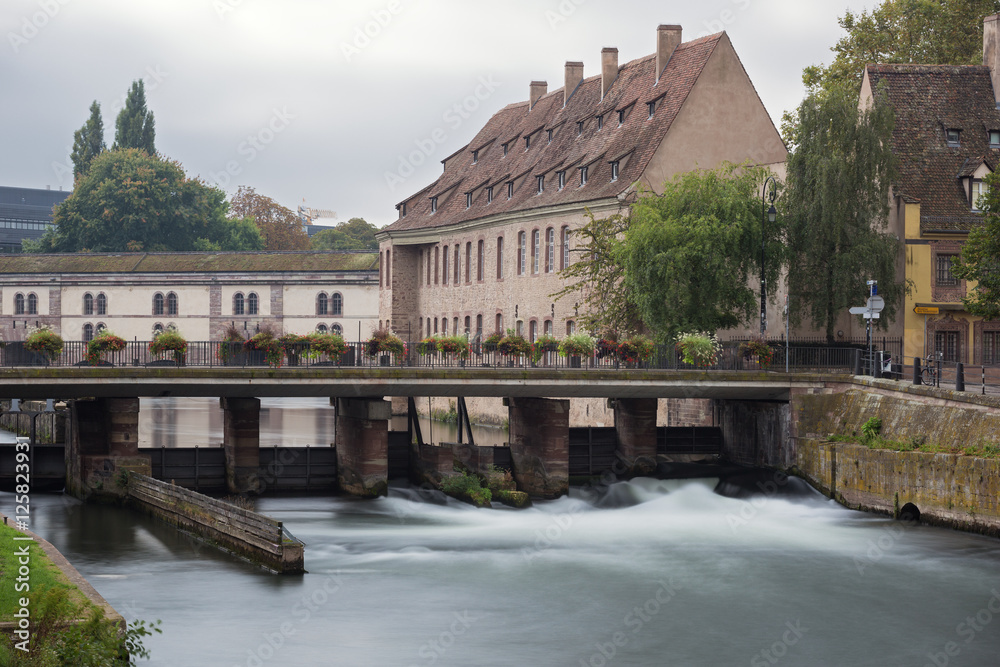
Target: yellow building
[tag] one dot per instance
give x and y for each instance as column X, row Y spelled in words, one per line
column 947, row 139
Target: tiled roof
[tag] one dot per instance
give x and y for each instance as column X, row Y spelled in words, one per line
column 633, row 144
column 189, row 262
column 928, row 100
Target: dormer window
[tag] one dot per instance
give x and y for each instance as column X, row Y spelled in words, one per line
column 621, row 117
column 600, row 123
column 527, row 142
column 505, row 150
column 562, row 179
column 583, row 176
column 952, row 137
column 475, row 156
column 468, row 200
column 541, row 184
column 434, row 204
column 579, row 128
column 979, row 190
column 994, row 138
column 489, row 194
column 652, row 108
column 402, row 210
column 510, row 189
column 614, row 170
column 549, row 133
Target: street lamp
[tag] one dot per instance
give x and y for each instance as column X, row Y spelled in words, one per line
column 769, row 215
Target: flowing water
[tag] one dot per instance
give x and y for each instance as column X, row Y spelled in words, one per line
column 643, row 572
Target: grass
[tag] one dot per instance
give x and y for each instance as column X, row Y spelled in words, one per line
column 44, row 575
column 983, row 449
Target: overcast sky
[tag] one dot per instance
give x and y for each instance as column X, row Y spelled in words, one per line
column 322, row 101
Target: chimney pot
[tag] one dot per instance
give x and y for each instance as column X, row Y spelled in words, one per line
column 609, row 69
column 536, row 90
column 574, row 75
column 668, row 37
column 991, row 52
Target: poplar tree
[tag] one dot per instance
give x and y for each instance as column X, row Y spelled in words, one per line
column 88, row 142
column 134, row 127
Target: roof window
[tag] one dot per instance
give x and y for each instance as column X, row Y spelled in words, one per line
column 579, row 127
column 562, row 179
column 614, row 170
column 994, row 138
column 652, row 108
column 475, row 156
column 434, row 204
column 468, row 200
column 583, row 176
column 541, row 184
column 953, row 137
column 600, row 122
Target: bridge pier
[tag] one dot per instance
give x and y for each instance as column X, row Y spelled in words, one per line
column 363, row 446
column 635, row 423
column 104, row 441
column 539, row 445
column 241, row 442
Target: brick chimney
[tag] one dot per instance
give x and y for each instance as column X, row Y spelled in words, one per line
column 609, row 69
column 574, row 75
column 668, row 37
column 535, row 91
column 991, row 52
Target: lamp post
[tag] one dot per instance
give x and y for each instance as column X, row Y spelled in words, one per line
column 769, row 215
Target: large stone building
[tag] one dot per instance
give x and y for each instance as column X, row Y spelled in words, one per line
column 480, row 248
column 947, row 139
column 136, row 294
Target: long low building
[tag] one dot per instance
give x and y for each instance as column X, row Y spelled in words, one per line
column 201, row 294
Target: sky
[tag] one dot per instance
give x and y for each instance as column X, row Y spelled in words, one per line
column 345, row 106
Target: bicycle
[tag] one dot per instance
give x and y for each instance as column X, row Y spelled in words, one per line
column 929, row 373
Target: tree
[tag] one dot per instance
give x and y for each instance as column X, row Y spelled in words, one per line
column 88, row 142
column 134, row 127
column 980, row 258
column 280, row 228
column 131, row 201
column 837, row 203
column 691, row 256
column 355, row 234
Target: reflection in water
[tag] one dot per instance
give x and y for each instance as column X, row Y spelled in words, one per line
column 290, row 422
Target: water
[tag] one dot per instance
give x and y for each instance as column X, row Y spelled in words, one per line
column 647, row 572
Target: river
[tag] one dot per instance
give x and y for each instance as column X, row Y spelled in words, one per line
column 642, row 572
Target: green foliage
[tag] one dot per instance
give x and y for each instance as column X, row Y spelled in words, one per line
column 690, row 255
column 279, row 227
column 457, row 346
column 491, row 341
column 130, row 201
column 134, row 127
column 355, row 234
column 871, row 430
column 235, row 235
column 543, row 343
column 332, row 345
column 169, row 340
column 514, row 345
column 468, row 487
column 266, row 342
column 43, row 340
column 698, row 348
column 88, row 142
column 757, row 348
column 837, row 202
column 104, row 341
column 385, row 341
column 980, row 258
column 635, row 349
column 428, row 345
column 576, row 345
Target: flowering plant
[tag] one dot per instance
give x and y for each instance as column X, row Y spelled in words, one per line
column 169, row 340
column 385, row 340
column 104, row 341
column 636, row 349
column 44, row 341
column 579, row 344
column 491, row 342
column 544, row 343
column 759, row 348
column 513, row 345
column 332, row 345
column 606, row 346
column 428, row 345
column 271, row 347
column 456, row 345
column 698, row 348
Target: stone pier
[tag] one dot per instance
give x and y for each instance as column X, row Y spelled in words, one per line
column 241, row 442
column 635, row 423
column 539, row 445
column 363, row 446
column 104, row 442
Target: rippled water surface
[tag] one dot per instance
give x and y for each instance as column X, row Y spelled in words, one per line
column 642, row 573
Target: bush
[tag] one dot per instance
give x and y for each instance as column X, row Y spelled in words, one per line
column 170, row 340
column 871, row 430
column 385, row 341
column 606, row 347
column 232, row 342
column 698, row 348
column 44, row 341
column 332, row 345
column 104, row 341
column 579, row 344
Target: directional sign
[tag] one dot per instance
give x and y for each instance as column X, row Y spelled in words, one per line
column 926, row 310
column 859, row 310
column 871, row 316
column 876, row 304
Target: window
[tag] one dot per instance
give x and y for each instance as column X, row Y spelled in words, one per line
column 337, row 305
column 102, row 304
column 468, row 200
column 253, row 303
column 991, row 347
column 527, row 142
column 337, row 329
column 466, row 325
column 32, row 304
column 583, row 176
column 536, row 247
column 88, row 304
column 388, row 267
column 322, row 304
column 520, row 253
column 468, row 261
column 88, row 332
column 479, row 325
column 510, row 189
column 428, row 266
column 321, row 328
column 562, row 179
column 489, row 195
column 437, row 265
column 994, row 138
column 548, row 327
column 19, row 304
column 434, row 204
column 579, row 127
column 499, row 258
column 435, row 325
column 444, row 326
column 519, row 328
column 457, row 264
column 614, row 170
column 157, row 329
column 428, row 326
column 479, row 261
column 565, row 248
column 621, row 117
column 402, row 210
column 651, row 106
column 600, row 123
column 475, row 156
column 444, row 266
column 499, row 323
column 550, row 250
column 171, row 303
column 946, row 345
column 454, row 325
column 979, row 189
column 157, row 304
column 570, row 327
column 505, row 150
column 533, row 330
column 100, row 327
column 541, row 184
column 238, row 303
column 945, row 277
column 953, row 137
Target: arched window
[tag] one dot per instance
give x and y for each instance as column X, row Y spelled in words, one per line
column 157, row 329
column 19, row 304
column 444, row 326
column 337, row 305
column 535, row 250
column 479, row 325
column 102, row 304
column 88, row 304
column 533, row 330
column 467, row 323
column 435, row 325
column 468, row 261
column 521, row 240
column 550, row 250
column 454, row 326
column 388, row 267
column 499, row 324
column 458, row 265
column 171, row 304
column 499, row 258
column 322, row 304
column 338, row 330
column 100, row 327
column 444, row 266
column 548, row 327
column 157, row 304
column 253, row 303
column 88, row 332
column 32, row 304
column 479, row 261
column 321, row 328
column 570, row 327
column 565, row 248
column 238, row 303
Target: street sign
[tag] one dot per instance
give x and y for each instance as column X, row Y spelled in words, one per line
column 871, row 316
column 876, row 304
column 926, row 310
column 859, row 310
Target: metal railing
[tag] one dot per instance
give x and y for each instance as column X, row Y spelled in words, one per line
column 936, row 372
